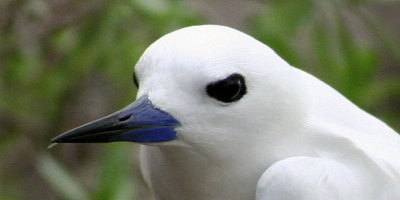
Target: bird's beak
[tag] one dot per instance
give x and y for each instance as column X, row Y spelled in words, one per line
column 138, row 122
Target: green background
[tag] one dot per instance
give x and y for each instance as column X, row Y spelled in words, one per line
column 67, row 62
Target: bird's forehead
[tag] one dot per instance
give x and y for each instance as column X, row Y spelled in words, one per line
column 197, row 49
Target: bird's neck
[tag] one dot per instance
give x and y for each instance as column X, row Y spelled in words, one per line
column 188, row 174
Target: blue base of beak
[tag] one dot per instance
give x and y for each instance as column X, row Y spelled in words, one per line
column 148, row 135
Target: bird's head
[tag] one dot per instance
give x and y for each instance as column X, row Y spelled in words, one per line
column 202, row 86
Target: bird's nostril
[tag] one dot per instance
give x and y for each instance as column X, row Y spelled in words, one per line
column 124, row 118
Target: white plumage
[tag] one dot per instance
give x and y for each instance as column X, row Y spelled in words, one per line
column 291, row 136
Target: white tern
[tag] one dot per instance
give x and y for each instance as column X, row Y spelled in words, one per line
column 222, row 116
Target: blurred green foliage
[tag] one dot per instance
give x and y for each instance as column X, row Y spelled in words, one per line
column 59, row 57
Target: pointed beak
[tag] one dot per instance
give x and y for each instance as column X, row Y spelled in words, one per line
column 138, row 122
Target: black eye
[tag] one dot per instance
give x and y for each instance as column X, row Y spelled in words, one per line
column 229, row 89
column 135, row 80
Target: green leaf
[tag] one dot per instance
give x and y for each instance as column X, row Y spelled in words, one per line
column 115, row 174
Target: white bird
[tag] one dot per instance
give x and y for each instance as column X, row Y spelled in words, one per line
column 222, row 116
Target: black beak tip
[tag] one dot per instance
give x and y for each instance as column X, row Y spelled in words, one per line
column 74, row 136
column 57, row 139
column 65, row 137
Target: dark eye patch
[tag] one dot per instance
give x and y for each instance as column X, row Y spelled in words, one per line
column 135, row 80
column 229, row 89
